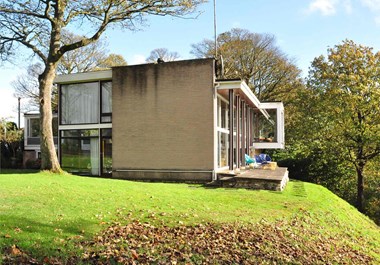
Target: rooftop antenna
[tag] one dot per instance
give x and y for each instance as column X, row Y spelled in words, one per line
column 215, row 37
column 219, row 64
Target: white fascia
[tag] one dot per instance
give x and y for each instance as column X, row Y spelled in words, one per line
column 244, row 88
column 84, row 77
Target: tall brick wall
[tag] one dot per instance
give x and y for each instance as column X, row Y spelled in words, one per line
column 163, row 120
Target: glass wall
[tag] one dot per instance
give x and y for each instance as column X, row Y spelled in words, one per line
column 80, row 152
column 80, row 103
column 223, row 132
column 86, row 105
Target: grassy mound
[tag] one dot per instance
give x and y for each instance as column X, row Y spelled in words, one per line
column 62, row 218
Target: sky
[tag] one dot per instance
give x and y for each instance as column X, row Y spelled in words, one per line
column 304, row 29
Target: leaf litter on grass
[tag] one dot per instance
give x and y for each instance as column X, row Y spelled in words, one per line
column 300, row 240
column 296, row 241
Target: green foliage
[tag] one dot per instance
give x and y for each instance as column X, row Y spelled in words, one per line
column 67, row 209
column 346, row 92
column 11, row 139
column 372, row 190
column 335, row 138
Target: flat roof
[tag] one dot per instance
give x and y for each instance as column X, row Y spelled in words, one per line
column 84, row 77
column 243, row 90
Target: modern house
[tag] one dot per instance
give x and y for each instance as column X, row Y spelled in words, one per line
column 172, row 121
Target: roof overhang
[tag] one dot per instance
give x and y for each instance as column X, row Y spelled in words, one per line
column 84, row 77
column 242, row 89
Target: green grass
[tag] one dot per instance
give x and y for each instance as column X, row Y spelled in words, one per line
column 40, row 212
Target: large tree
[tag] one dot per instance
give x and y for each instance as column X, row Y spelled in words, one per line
column 38, row 26
column 92, row 57
column 162, row 54
column 88, row 58
column 256, row 59
column 345, row 104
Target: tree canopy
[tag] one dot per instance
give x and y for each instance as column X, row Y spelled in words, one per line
column 88, row 58
column 345, row 98
column 163, row 54
column 254, row 58
column 38, row 25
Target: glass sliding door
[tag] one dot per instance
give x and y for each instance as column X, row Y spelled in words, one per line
column 80, row 151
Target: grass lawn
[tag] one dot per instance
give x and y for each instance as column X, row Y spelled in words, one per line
column 41, row 212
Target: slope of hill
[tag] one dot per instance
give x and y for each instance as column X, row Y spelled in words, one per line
column 63, row 218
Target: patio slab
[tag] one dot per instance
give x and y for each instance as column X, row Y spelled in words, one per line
column 264, row 179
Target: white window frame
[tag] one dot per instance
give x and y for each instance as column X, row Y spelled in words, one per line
column 280, row 141
column 221, row 130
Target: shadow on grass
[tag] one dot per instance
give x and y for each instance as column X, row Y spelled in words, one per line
column 18, row 171
column 40, row 239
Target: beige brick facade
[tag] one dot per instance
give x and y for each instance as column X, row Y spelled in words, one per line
column 163, row 121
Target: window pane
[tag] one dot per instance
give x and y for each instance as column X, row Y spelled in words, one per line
column 106, row 144
column 223, row 110
column 106, row 118
column 107, row 132
column 265, row 130
column 80, row 155
column 106, row 97
column 223, row 149
column 34, row 129
column 80, row 103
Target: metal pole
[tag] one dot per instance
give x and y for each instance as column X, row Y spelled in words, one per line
column 215, row 37
column 19, row 111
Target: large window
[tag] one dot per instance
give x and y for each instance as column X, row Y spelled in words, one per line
column 80, row 103
column 80, row 151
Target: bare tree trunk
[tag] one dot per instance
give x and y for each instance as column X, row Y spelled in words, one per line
column 360, row 188
column 49, row 159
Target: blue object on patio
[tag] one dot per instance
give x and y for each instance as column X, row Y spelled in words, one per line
column 263, row 158
column 249, row 160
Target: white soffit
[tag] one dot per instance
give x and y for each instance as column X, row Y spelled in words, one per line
column 83, row 77
column 243, row 88
column 240, row 86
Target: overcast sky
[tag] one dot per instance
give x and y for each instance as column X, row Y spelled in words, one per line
column 304, row 30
